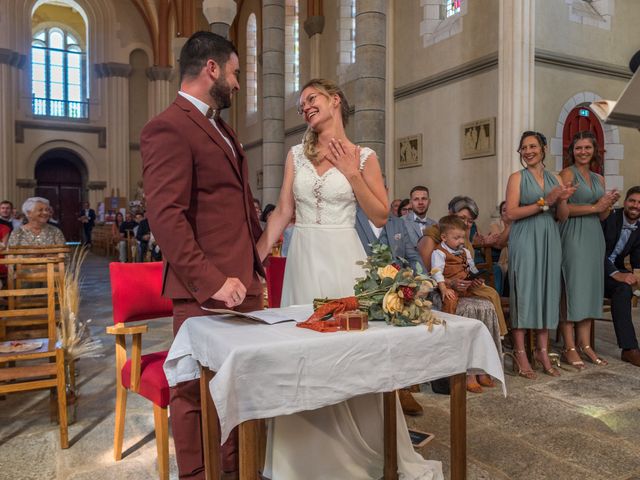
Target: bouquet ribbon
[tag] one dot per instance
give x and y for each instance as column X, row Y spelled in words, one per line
column 322, row 319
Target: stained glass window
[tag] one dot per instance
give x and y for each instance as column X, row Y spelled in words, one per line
column 57, row 81
column 453, row 7
column 252, row 65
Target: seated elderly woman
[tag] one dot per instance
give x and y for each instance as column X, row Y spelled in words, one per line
column 36, row 232
column 467, row 209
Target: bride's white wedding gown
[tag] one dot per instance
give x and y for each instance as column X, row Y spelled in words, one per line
column 343, row 441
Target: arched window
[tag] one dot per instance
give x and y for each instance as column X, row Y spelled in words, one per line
column 57, row 82
column 291, row 48
column 347, row 40
column 252, row 65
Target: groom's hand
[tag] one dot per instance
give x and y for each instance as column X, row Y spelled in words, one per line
column 232, row 292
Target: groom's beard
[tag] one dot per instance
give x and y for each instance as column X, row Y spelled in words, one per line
column 220, row 92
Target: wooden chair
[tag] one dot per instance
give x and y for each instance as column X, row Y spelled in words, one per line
column 20, row 274
column 487, row 265
column 46, row 367
column 136, row 295
column 275, row 276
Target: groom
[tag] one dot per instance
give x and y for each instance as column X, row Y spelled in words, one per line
column 195, row 174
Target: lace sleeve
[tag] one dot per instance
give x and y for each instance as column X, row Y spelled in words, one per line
column 365, row 153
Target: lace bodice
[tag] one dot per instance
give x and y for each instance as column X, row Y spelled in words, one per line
column 323, row 199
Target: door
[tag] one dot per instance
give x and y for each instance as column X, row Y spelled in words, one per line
column 59, row 181
column 578, row 120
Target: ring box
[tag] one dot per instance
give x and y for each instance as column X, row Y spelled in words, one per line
column 353, row 320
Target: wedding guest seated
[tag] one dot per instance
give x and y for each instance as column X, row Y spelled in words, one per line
column 404, row 208
column 126, row 233
column 143, row 234
column 6, row 211
column 622, row 238
column 394, row 234
column 417, row 221
column 36, row 232
column 115, row 228
column 451, row 262
column 467, row 209
column 393, row 208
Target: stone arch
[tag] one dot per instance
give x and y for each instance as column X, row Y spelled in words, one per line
column 614, row 150
column 90, row 165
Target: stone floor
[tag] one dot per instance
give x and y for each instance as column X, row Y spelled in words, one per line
column 581, row 425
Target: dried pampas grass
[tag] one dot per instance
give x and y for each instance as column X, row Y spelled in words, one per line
column 74, row 334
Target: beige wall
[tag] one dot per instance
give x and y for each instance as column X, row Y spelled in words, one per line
column 413, row 62
column 138, row 108
column 555, row 32
column 438, row 115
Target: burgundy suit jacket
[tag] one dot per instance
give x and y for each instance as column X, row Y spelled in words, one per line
column 199, row 204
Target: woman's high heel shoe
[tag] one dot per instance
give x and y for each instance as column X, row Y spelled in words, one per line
column 598, row 361
column 528, row 374
column 578, row 365
column 551, row 371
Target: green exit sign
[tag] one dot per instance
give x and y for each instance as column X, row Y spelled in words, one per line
column 584, row 112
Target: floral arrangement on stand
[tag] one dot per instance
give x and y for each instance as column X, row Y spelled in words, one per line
column 73, row 334
column 389, row 291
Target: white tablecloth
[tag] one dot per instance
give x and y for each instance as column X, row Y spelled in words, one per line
column 264, row 371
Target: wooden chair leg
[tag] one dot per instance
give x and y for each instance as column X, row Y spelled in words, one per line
column 161, row 423
column 121, row 410
column 62, row 398
column 592, row 334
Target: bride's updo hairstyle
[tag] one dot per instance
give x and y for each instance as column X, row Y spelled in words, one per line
column 328, row 89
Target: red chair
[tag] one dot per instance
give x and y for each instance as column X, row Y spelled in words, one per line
column 136, row 295
column 275, row 276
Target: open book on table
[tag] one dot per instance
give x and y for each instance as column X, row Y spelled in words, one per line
column 270, row 316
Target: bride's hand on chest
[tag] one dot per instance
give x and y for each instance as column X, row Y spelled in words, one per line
column 345, row 157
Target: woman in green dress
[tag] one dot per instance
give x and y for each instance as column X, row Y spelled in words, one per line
column 583, row 249
column 535, row 199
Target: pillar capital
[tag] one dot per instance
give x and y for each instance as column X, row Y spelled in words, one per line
column 314, row 25
column 113, row 69
column 219, row 11
column 159, row 73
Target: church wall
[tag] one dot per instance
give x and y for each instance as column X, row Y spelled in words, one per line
column 413, row 61
column 438, row 114
column 556, row 32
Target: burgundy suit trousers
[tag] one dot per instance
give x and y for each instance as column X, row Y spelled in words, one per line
column 185, row 406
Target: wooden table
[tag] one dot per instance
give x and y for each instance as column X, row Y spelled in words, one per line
column 209, row 343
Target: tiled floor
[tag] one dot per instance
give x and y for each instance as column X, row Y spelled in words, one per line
column 581, row 425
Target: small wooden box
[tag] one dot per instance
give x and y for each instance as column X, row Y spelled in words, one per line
column 353, row 320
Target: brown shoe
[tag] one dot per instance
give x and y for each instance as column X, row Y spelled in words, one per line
column 632, row 356
column 408, row 403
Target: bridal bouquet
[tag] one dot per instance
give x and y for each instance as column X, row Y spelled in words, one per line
column 389, row 291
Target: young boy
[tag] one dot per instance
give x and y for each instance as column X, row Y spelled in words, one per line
column 451, row 262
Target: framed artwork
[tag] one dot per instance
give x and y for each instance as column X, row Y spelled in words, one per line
column 479, row 138
column 410, row 151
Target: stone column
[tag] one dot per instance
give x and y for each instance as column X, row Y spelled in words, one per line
column 159, row 89
column 9, row 95
column 370, row 90
column 314, row 26
column 220, row 15
column 516, row 57
column 115, row 81
column 273, row 153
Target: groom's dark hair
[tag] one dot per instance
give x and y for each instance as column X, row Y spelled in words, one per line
column 201, row 47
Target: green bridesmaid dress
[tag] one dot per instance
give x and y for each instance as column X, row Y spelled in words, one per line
column 583, row 251
column 535, row 258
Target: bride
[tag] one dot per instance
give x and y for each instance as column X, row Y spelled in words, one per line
column 324, row 177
